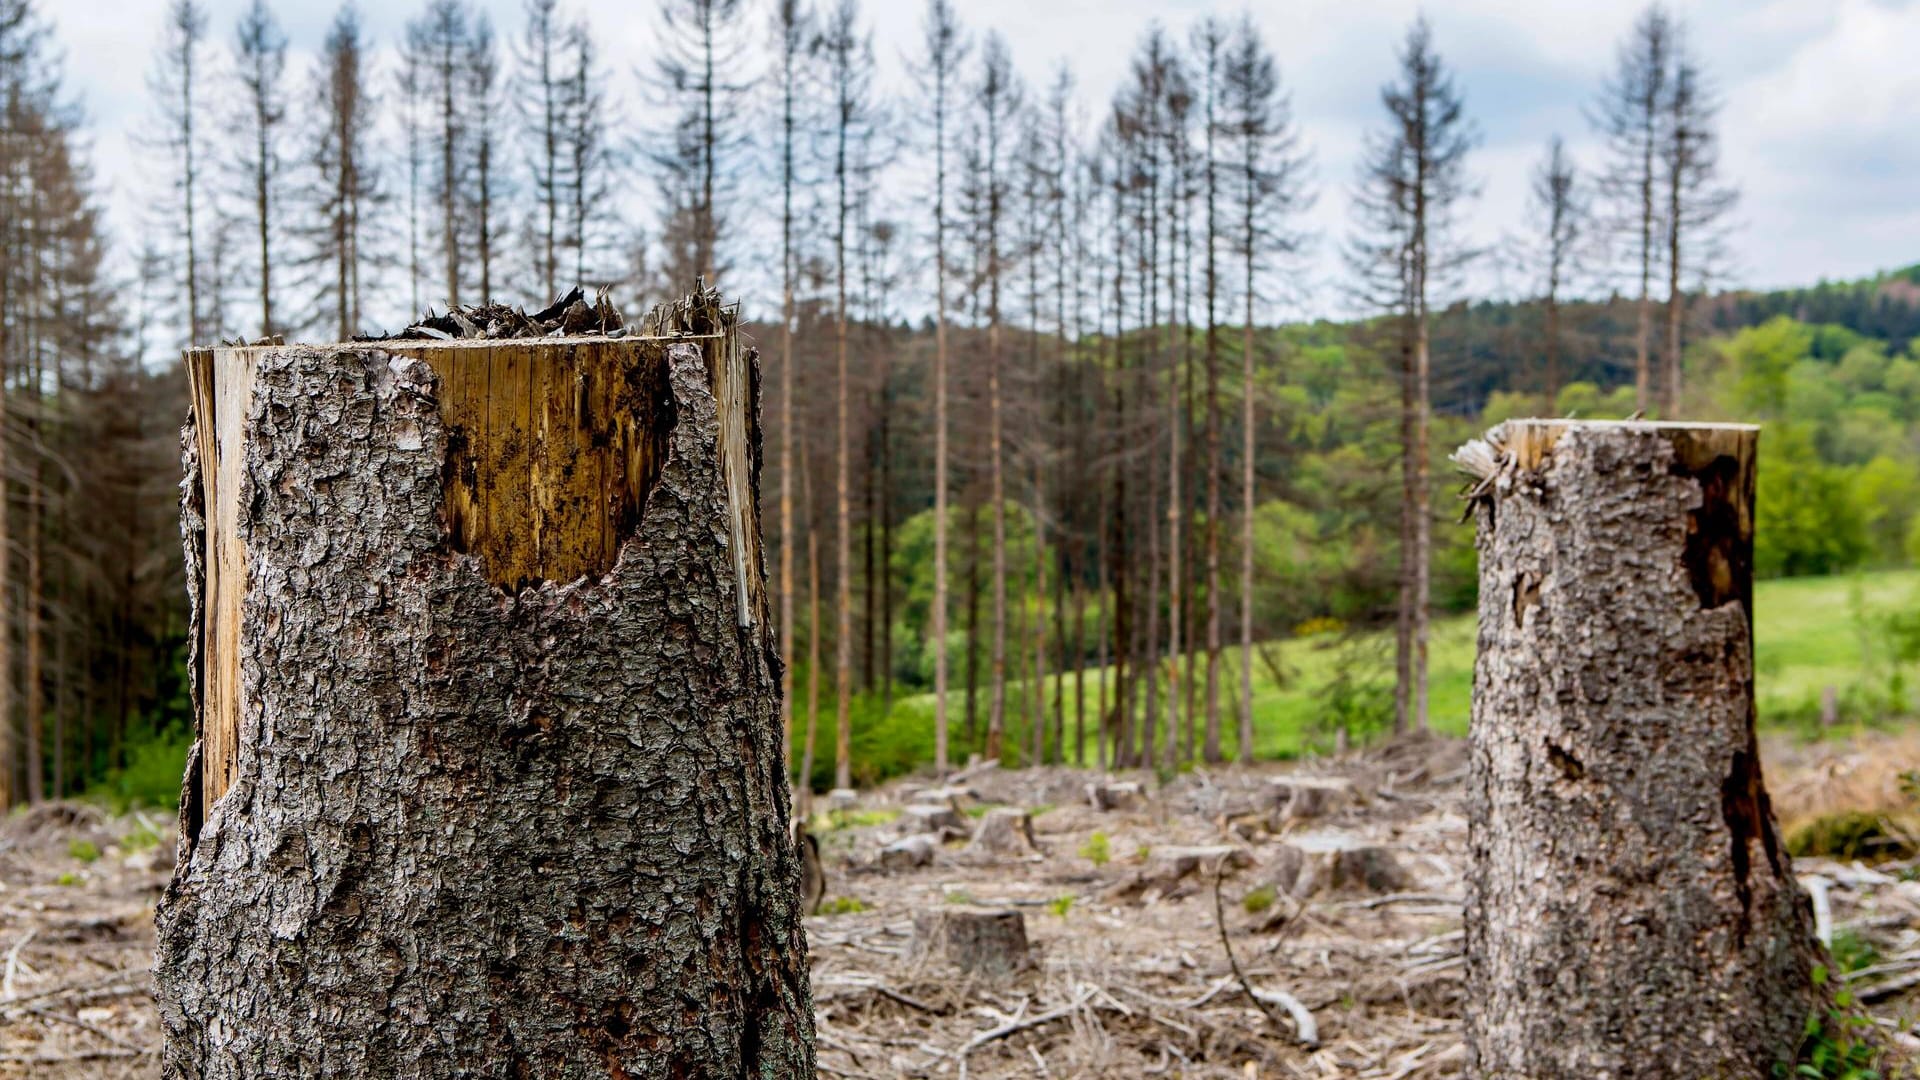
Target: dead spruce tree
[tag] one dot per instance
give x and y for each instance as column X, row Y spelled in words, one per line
column 1631, row 910
column 488, row 778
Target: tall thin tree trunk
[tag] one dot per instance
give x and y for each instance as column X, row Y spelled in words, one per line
column 973, row 622
column 843, row 501
column 787, row 387
column 1676, row 299
column 941, row 482
column 813, row 638
column 1247, row 507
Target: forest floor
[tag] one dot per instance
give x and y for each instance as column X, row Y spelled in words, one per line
column 1347, row 906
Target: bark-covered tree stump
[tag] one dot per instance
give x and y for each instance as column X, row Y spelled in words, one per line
column 1630, row 908
column 1004, row 832
column 978, row 942
column 488, row 779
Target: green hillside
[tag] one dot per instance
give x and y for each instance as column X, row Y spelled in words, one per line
column 1810, row 633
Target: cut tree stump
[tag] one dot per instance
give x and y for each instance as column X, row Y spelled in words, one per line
column 1116, row 795
column 1173, row 872
column 1004, row 831
column 1303, row 798
column 1312, row 865
column 992, row 943
column 488, row 777
column 1630, row 909
column 931, row 819
column 955, row 797
column 909, row 852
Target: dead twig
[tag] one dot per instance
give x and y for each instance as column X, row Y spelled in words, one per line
column 1304, row 1027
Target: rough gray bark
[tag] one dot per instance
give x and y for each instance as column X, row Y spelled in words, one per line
column 537, row 828
column 1630, row 908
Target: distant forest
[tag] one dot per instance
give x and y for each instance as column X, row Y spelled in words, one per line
column 1028, row 405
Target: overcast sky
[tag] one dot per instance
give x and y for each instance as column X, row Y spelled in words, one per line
column 1821, row 130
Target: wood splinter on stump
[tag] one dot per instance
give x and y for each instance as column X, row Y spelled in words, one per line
column 488, row 779
column 1631, row 910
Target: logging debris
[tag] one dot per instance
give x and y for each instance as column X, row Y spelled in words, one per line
column 1120, row 990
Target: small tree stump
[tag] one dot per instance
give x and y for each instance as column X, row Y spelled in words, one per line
column 1116, row 795
column 1303, row 798
column 1630, row 907
column 1311, row 866
column 955, row 797
column 1177, row 871
column 978, row 942
column 931, row 819
column 1005, row 831
column 909, row 852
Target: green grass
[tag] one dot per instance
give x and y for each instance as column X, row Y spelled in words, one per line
column 1809, row 633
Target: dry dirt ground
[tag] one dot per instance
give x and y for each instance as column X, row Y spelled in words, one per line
column 1344, row 903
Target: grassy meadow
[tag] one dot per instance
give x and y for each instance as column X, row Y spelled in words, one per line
column 1810, row 633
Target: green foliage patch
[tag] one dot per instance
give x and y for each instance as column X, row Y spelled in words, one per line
column 1849, row 834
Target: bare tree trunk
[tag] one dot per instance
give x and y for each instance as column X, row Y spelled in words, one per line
column 1631, row 910
column 33, row 677
column 563, row 715
column 842, row 486
column 996, row 469
column 1422, row 514
column 941, row 761
column 787, row 59
column 1246, row 522
column 807, row 757
column 1676, row 302
column 1403, row 617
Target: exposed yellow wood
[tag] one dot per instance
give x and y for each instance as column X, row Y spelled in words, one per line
column 222, row 393
column 1527, row 442
column 552, row 447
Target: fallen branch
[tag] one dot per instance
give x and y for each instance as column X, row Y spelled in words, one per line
column 114, row 985
column 13, row 963
column 1016, row 1026
column 1304, row 1027
column 1401, row 898
column 74, row 1021
column 77, row 1055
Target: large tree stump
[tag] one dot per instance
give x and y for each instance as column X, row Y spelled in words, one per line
column 488, row 779
column 1630, row 908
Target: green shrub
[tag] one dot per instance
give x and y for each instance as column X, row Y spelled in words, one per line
column 1849, row 834
column 1098, row 850
column 151, row 776
column 140, row 839
column 67, row 879
column 84, row 850
column 1259, row 899
column 1834, row 1044
column 835, row 820
column 1060, row 905
column 842, row 905
column 1851, row 952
